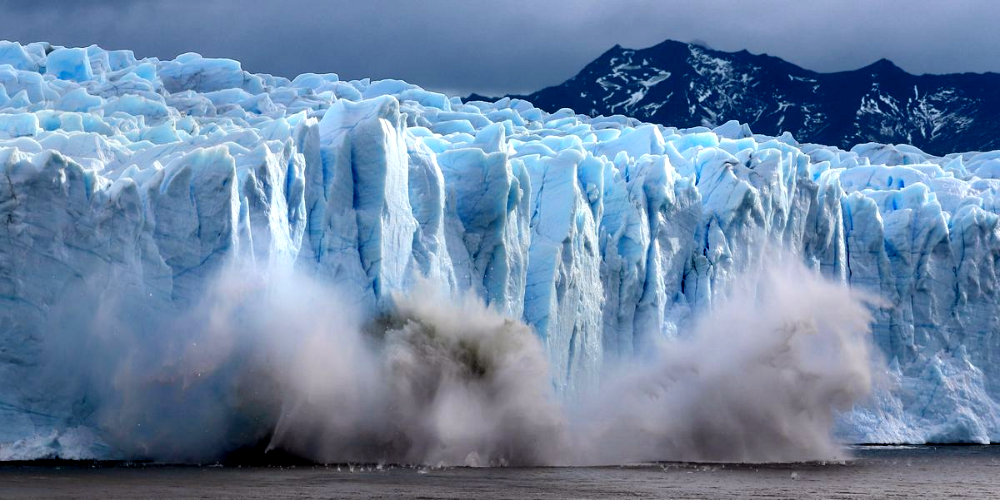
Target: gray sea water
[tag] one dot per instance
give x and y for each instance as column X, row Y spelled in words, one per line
column 874, row 472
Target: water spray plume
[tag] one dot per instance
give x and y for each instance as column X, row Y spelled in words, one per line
column 449, row 381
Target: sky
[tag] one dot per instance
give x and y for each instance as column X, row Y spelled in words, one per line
column 514, row 46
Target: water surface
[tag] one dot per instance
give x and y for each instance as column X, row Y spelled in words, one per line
column 874, row 472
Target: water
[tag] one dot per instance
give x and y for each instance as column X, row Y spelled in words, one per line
column 875, row 472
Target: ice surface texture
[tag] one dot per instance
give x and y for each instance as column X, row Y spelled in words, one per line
column 145, row 176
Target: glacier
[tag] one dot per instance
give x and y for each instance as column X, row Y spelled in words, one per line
column 603, row 234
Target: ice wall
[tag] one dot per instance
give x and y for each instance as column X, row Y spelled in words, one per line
column 142, row 177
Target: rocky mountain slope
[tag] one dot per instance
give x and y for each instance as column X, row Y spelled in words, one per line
column 686, row 85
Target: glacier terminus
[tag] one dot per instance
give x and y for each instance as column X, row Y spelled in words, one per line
column 605, row 235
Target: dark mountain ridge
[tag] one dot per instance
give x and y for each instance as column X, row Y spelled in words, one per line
column 686, row 85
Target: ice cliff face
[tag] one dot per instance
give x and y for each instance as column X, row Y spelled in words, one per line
column 145, row 176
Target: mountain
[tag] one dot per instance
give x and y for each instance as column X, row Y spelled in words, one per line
column 687, row 85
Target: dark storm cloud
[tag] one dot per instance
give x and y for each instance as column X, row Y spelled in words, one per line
column 514, row 45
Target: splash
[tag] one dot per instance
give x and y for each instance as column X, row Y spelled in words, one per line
column 760, row 379
column 454, row 383
column 442, row 380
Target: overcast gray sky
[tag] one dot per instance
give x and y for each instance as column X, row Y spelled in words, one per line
column 507, row 46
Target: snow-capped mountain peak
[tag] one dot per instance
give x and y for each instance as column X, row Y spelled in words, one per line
column 687, row 85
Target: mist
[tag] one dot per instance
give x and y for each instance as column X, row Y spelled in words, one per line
column 281, row 359
column 759, row 378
